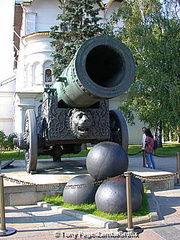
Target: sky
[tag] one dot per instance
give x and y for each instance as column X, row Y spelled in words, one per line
column 6, row 38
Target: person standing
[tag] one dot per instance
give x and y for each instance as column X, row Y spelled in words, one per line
column 143, row 138
column 149, row 148
column 143, row 147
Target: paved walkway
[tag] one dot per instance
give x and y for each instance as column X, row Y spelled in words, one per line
column 162, row 163
column 34, row 222
column 168, row 227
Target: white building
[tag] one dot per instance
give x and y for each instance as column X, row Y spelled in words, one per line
column 32, row 61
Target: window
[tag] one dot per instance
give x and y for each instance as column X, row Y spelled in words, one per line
column 48, row 76
column 47, row 73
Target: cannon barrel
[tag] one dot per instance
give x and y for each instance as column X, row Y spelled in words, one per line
column 102, row 68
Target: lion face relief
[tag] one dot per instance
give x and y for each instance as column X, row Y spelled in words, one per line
column 80, row 123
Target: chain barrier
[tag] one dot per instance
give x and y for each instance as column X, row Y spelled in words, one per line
column 143, row 178
column 13, row 180
column 55, row 186
column 155, row 178
column 94, row 183
column 17, row 181
column 160, row 156
column 133, row 154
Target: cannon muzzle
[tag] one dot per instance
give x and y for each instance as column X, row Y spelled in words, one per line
column 102, row 68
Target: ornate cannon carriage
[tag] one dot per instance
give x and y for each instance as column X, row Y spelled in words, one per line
column 75, row 110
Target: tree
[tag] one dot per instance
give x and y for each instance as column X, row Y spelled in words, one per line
column 151, row 31
column 2, row 139
column 10, row 143
column 79, row 21
column 6, row 141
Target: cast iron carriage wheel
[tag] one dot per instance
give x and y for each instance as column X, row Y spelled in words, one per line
column 30, row 130
column 118, row 128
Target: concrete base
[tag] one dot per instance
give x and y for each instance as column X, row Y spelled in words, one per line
column 50, row 179
column 52, row 176
column 161, row 183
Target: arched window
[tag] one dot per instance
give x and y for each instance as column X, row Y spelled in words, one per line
column 48, row 76
column 48, row 73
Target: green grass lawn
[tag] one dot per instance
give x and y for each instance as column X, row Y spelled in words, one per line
column 91, row 208
column 168, row 149
column 8, row 155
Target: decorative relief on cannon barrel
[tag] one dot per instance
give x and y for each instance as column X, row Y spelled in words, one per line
column 73, row 123
column 101, row 121
column 78, row 124
column 52, row 120
column 57, row 128
column 42, row 119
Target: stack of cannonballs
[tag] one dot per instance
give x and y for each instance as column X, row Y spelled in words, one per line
column 105, row 160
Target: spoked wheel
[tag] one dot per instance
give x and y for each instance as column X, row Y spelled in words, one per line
column 30, row 130
column 119, row 130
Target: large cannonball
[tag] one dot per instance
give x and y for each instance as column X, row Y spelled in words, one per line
column 139, row 185
column 80, row 194
column 106, row 159
column 111, row 196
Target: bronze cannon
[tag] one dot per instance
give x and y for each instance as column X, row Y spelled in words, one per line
column 75, row 110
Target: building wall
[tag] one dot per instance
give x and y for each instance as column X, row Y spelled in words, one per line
column 7, row 76
column 40, row 15
column 34, row 56
column 7, row 110
column 7, row 91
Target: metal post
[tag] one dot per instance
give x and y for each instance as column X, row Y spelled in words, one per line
column 178, row 167
column 3, row 225
column 144, row 158
column 3, row 231
column 130, row 227
column 129, row 201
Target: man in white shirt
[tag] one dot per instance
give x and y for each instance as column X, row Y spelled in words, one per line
column 143, row 138
column 143, row 146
